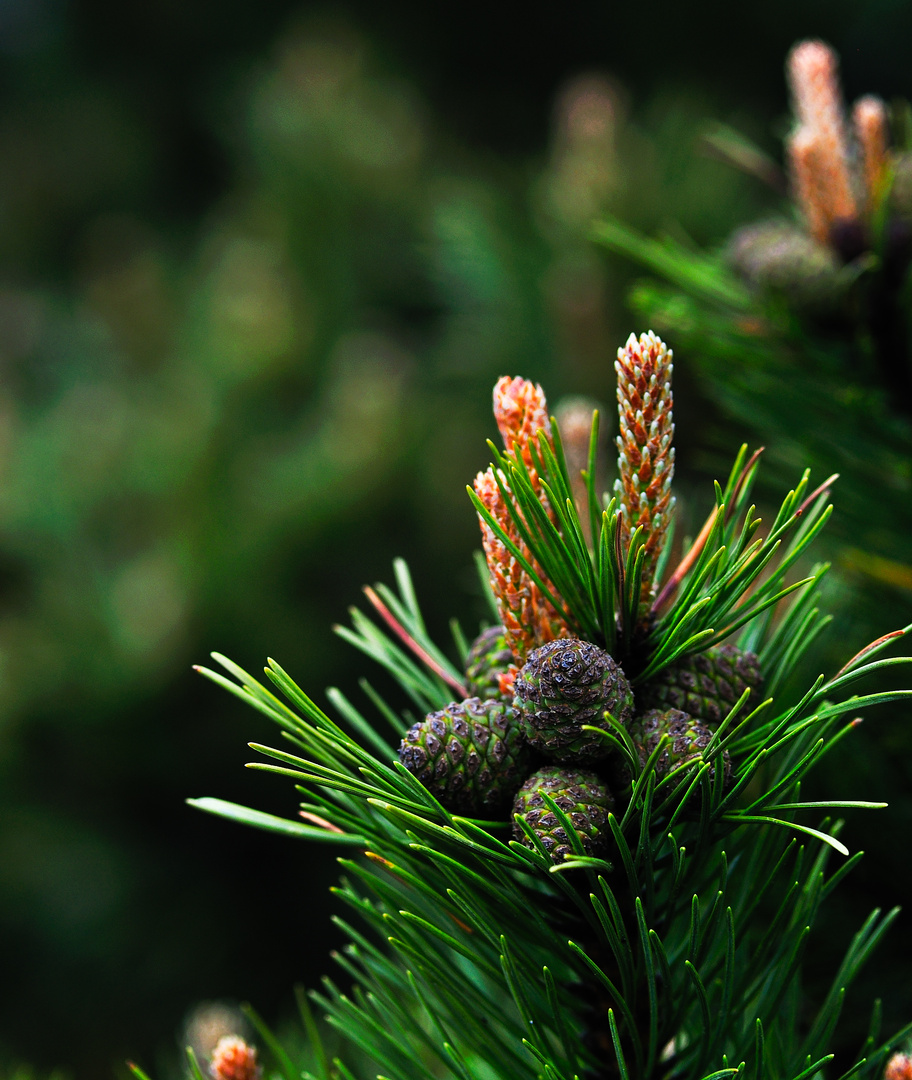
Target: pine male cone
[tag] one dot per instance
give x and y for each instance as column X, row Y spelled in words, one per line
column 583, row 797
column 706, row 685
column 488, row 659
column 234, row 1059
column 470, row 755
column 564, row 685
column 688, row 738
column 899, row 1067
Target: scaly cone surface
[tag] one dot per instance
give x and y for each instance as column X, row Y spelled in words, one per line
column 564, row 687
column 488, row 660
column 582, row 796
column 687, row 739
column 706, row 685
column 645, row 451
column 470, row 755
column 521, row 411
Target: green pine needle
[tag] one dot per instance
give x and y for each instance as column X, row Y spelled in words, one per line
column 478, row 948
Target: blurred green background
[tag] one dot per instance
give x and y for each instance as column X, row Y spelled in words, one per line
column 259, row 268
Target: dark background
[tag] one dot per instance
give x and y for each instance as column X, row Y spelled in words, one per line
column 181, row 472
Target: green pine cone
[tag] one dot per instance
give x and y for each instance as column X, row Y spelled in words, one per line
column 489, row 657
column 565, row 684
column 583, row 797
column 688, row 738
column 706, row 685
column 470, row 755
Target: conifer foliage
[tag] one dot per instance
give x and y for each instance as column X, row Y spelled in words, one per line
column 645, row 910
column 818, row 298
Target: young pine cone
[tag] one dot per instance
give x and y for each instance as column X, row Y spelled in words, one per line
column 564, row 685
column 583, row 797
column 487, row 661
column 470, row 755
column 706, row 685
column 687, row 739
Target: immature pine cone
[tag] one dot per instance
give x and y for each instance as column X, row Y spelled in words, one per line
column 564, row 685
column 688, row 738
column 583, row 797
column 469, row 755
column 488, row 659
column 706, row 685
column 234, row 1059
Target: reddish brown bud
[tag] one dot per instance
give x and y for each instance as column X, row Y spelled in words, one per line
column 506, row 682
column 234, row 1059
column 521, row 411
column 818, row 151
column 869, row 119
column 813, row 75
column 529, row 618
column 899, row 1067
column 808, row 189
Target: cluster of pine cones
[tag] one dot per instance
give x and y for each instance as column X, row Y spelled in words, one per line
column 476, row 756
